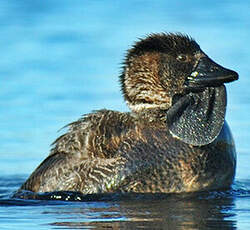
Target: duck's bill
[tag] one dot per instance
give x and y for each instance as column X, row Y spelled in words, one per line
column 209, row 74
column 197, row 117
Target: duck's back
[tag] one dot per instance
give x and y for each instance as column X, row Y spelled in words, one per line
column 109, row 151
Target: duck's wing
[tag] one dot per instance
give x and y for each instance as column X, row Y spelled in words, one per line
column 61, row 172
column 84, row 159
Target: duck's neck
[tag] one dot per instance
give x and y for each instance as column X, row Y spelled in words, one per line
column 151, row 115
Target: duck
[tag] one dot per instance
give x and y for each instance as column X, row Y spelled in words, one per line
column 174, row 139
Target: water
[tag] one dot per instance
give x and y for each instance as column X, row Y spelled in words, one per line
column 60, row 59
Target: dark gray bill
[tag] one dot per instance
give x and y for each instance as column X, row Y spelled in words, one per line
column 208, row 73
column 197, row 117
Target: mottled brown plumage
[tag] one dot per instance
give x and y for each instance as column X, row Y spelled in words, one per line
column 150, row 149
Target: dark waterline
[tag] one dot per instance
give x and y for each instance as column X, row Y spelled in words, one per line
column 204, row 210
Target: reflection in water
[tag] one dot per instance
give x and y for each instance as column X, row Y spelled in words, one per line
column 199, row 211
column 207, row 210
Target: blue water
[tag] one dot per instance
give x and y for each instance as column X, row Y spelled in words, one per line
column 61, row 59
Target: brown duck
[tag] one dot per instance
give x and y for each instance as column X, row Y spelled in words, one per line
column 175, row 139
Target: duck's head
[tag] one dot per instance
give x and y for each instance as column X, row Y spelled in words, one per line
column 170, row 73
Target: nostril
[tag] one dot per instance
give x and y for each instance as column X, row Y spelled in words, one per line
column 214, row 68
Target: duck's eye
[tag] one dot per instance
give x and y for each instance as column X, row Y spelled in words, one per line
column 182, row 58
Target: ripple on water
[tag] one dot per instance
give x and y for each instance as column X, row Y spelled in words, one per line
column 127, row 211
column 239, row 189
